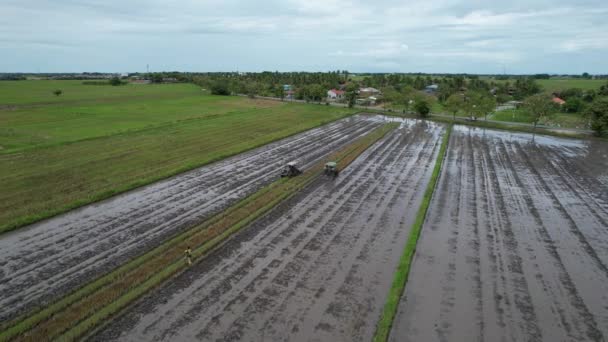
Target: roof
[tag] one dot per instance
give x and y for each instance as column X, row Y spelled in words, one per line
column 432, row 86
column 558, row 100
column 369, row 90
column 337, row 92
column 291, row 164
column 330, row 164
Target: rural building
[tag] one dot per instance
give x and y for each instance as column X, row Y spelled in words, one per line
column 286, row 87
column 289, row 94
column 431, row 89
column 335, row 94
column 558, row 100
column 369, row 91
column 367, row 101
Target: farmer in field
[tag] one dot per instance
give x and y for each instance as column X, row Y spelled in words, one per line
column 188, row 253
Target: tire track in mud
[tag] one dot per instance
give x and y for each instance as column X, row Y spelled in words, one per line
column 539, row 230
column 316, row 267
column 51, row 258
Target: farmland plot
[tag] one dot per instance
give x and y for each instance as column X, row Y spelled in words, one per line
column 515, row 244
column 317, row 267
column 41, row 262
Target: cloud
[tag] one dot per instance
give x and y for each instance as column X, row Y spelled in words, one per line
column 386, row 35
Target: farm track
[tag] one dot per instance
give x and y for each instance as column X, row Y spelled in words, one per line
column 42, row 262
column 515, row 245
column 318, row 266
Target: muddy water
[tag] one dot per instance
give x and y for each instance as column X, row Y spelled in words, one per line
column 318, row 267
column 43, row 261
column 515, row 246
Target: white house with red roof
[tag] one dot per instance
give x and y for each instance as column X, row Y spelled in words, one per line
column 335, row 94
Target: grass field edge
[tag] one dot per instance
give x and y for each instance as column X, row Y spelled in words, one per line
column 19, row 326
column 102, row 317
column 402, row 272
column 108, row 193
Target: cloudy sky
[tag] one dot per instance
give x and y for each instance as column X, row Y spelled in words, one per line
column 472, row 36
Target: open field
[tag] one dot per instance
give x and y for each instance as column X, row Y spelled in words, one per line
column 563, row 120
column 515, row 245
column 94, row 149
column 555, row 84
column 317, row 267
column 43, row 261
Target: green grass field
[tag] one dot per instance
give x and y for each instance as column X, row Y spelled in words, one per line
column 512, row 115
column 60, row 153
column 564, row 120
column 555, row 84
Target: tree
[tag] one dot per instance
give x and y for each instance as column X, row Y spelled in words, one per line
column 253, row 89
column 57, row 92
column 351, row 95
column 422, row 107
column 156, row 78
column 573, row 105
column 115, row 81
column 480, row 104
column 539, row 106
column 317, row 92
column 280, row 92
column 603, row 90
column 454, row 103
column 598, row 113
column 220, row 88
column 486, row 105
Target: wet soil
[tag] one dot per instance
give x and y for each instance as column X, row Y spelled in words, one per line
column 44, row 261
column 317, row 267
column 515, row 246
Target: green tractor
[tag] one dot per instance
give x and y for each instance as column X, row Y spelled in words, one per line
column 331, row 169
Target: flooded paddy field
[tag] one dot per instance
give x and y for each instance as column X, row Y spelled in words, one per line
column 515, row 244
column 44, row 261
column 317, row 267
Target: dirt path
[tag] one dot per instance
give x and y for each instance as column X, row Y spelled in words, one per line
column 318, row 267
column 515, row 247
column 44, row 261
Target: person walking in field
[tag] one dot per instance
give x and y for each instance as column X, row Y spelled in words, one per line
column 188, row 253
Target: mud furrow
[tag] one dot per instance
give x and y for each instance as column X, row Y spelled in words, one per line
column 293, row 269
column 54, row 256
column 538, row 279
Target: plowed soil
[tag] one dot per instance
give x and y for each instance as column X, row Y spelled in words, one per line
column 515, row 246
column 317, row 267
column 44, row 261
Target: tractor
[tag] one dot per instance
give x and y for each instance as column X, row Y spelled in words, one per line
column 331, row 169
column 291, row 170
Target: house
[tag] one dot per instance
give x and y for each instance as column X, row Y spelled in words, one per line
column 335, row 94
column 290, row 94
column 286, row 87
column 558, row 100
column 431, row 89
column 368, row 91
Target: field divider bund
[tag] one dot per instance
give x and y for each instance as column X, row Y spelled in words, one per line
column 88, row 308
column 403, row 268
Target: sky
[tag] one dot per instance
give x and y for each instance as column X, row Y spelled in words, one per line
column 431, row 36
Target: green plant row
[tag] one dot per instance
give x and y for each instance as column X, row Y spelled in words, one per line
column 87, row 308
column 392, row 302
